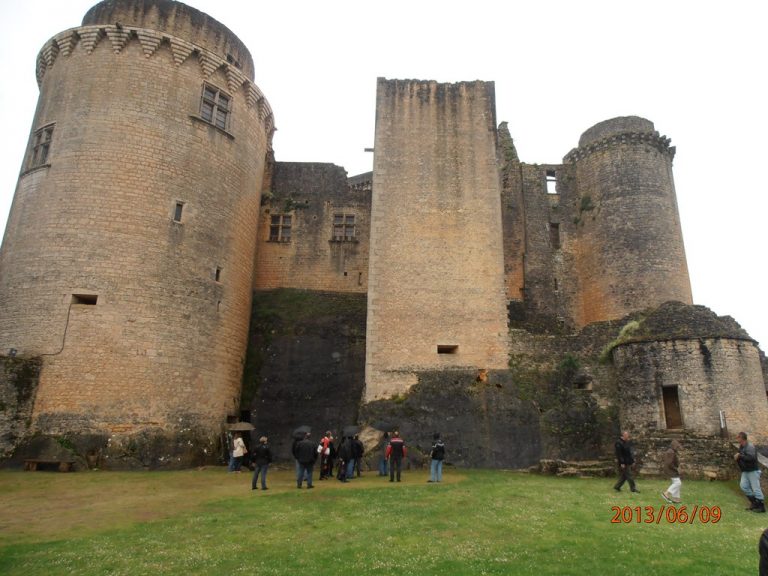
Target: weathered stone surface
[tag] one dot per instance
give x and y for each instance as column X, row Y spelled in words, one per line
column 19, row 378
column 314, row 196
column 305, row 364
column 482, row 423
column 436, row 286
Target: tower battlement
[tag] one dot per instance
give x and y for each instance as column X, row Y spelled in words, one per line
column 87, row 38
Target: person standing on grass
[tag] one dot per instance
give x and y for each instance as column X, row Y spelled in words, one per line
column 358, row 449
column 672, row 469
column 383, row 459
column 625, row 459
column 396, row 451
column 325, row 453
column 746, row 458
column 346, row 460
column 262, row 456
column 238, row 451
column 437, row 454
column 305, row 454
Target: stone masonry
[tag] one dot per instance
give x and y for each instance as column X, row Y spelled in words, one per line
column 436, row 297
column 162, row 274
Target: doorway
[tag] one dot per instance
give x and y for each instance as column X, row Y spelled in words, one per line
column 672, row 408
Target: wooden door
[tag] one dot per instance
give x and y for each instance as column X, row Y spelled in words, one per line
column 672, row 412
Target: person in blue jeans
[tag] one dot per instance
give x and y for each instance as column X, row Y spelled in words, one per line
column 746, row 458
column 262, row 456
column 438, row 455
column 383, row 460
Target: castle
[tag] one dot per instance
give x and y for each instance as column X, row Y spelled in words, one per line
column 451, row 287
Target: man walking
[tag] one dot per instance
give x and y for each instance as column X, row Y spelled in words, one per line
column 672, row 469
column 396, row 451
column 746, row 458
column 305, row 454
column 625, row 459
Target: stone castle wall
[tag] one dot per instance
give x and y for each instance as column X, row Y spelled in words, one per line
column 141, row 320
column 436, row 294
column 314, row 196
column 627, row 246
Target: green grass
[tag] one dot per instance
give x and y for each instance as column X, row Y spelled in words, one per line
column 475, row 522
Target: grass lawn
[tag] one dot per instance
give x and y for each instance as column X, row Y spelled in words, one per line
column 475, row 522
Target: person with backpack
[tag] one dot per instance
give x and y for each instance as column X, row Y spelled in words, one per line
column 437, row 454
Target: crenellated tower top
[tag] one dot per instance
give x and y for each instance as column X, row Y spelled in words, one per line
column 186, row 32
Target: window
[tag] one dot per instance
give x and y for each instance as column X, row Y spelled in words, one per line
column 447, row 348
column 343, row 227
column 41, row 146
column 177, row 211
column 554, row 235
column 86, row 299
column 551, row 177
column 217, row 274
column 280, row 228
column 215, row 107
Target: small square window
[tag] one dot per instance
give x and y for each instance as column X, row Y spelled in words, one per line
column 447, row 348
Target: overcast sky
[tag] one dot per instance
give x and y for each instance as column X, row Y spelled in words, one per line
column 697, row 70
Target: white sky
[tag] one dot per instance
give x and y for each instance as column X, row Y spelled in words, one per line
column 697, row 70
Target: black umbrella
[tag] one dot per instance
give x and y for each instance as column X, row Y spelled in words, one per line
column 301, row 431
column 350, row 431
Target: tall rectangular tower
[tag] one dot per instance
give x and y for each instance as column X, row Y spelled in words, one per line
column 436, row 297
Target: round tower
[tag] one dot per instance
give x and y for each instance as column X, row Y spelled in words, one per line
column 127, row 261
column 627, row 242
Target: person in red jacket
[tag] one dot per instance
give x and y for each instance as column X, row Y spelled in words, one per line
column 396, row 451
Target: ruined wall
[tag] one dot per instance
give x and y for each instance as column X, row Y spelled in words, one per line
column 141, row 317
column 512, row 217
column 628, row 247
column 314, row 196
column 436, row 269
column 306, row 361
column 19, row 379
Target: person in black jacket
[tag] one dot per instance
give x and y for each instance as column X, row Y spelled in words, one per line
column 346, row 457
column 262, row 456
column 746, row 458
column 358, row 449
column 305, row 453
column 625, row 459
column 396, row 451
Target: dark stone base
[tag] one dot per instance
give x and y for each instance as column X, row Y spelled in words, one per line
column 150, row 449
